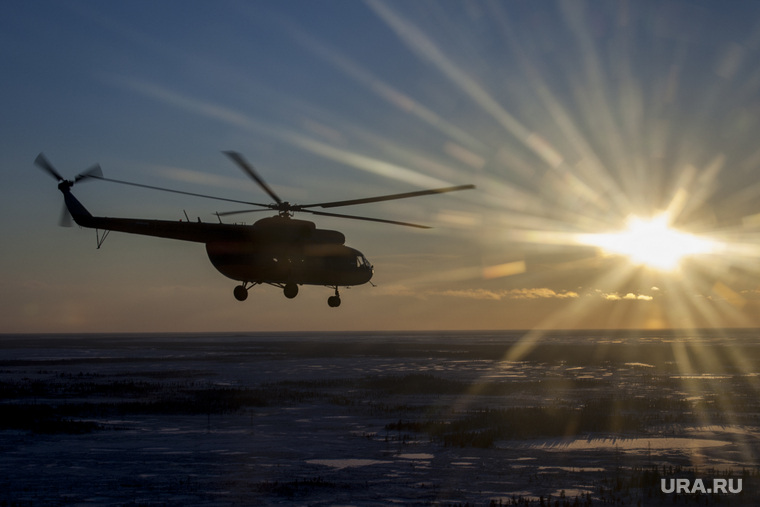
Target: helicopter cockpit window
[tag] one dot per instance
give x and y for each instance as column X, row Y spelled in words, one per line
column 362, row 262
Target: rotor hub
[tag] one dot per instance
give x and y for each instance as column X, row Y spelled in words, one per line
column 285, row 209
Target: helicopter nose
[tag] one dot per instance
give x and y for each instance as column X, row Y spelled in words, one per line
column 369, row 271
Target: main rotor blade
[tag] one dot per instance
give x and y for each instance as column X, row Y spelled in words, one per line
column 45, row 165
column 240, row 212
column 248, row 168
column 354, row 217
column 390, row 197
column 178, row 191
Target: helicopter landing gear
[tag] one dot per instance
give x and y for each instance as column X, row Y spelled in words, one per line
column 290, row 290
column 334, row 301
column 241, row 292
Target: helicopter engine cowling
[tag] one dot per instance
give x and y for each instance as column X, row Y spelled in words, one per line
column 290, row 230
column 327, row 237
column 283, row 229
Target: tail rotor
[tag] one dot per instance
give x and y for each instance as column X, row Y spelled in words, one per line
column 63, row 184
column 93, row 172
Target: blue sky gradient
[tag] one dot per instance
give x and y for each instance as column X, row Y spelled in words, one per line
column 569, row 116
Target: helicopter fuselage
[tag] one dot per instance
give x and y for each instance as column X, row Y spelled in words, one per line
column 285, row 250
column 274, row 250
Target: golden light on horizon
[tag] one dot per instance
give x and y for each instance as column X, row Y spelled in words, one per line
column 652, row 242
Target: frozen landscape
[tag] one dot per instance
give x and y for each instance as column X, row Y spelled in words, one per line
column 503, row 418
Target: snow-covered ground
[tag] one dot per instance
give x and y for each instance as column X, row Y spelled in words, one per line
column 319, row 420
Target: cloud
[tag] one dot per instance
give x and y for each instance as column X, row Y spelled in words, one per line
column 472, row 294
column 753, row 294
column 630, row 296
column 536, row 293
column 541, row 293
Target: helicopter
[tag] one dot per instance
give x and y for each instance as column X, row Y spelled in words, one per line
column 280, row 250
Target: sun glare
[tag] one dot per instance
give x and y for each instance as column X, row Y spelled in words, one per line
column 652, row 242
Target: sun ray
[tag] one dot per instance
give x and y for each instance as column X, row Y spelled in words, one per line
column 427, row 49
column 225, row 114
column 392, row 95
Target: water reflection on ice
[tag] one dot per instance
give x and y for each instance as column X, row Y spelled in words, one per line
column 416, row 456
column 340, row 464
column 628, row 444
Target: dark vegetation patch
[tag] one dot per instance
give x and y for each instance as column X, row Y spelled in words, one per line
column 56, row 405
column 482, row 428
column 43, row 419
column 577, row 349
column 587, row 408
column 297, row 487
column 555, row 405
column 425, row 383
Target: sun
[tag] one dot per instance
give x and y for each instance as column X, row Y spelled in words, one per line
column 652, row 242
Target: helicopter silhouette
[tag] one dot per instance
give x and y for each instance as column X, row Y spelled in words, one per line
column 280, row 250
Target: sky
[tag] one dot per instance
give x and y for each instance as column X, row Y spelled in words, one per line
column 613, row 146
